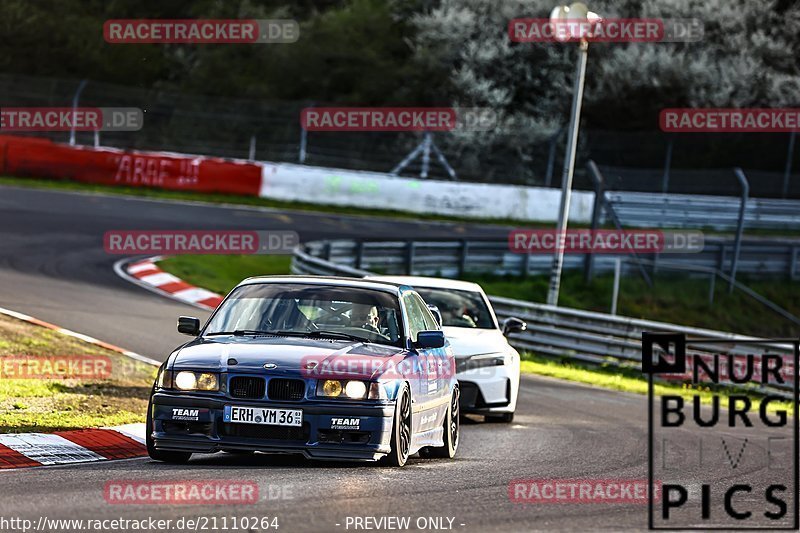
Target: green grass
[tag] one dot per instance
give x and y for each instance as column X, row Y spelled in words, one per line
column 631, row 380
column 677, row 300
column 220, row 273
column 57, row 404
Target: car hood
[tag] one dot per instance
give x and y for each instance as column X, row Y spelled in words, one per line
column 291, row 356
column 467, row 342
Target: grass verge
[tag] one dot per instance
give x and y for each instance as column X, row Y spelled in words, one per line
column 678, row 300
column 220, row 273
column 45, row 405
column 631, row 380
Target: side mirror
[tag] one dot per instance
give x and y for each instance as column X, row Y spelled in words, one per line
column 430, row 339
column 189, row 325
column 513, row 325
column 436, row 314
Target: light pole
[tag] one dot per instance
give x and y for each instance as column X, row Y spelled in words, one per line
column 578, row 13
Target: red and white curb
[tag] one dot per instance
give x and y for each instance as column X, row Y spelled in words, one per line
column 146, row 273
column 20, row 450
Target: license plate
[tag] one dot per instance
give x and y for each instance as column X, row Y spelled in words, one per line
column 262, row 415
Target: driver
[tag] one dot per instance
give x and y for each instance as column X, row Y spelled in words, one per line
column 365, row 317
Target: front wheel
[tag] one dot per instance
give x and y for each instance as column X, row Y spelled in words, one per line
column 451, row 429
column 401, row 430
column 161, row 455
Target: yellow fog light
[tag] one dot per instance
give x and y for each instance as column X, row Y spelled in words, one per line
column 332, row 387
column 206, row 381
column 355, row 389
column 185, row 380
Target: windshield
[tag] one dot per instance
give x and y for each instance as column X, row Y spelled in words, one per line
column 461, row 309
column 310, row 310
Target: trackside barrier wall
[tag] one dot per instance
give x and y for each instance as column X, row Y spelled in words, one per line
column 382, row 191
column 41, row 158
column 561, row 332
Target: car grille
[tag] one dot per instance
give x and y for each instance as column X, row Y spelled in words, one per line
column 286, row 389
column 247, row 387
column 266, row 432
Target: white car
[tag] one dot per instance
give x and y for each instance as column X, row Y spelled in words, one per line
column 487, row 365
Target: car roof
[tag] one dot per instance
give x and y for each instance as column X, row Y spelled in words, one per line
column 380, row 285
column 429, row 282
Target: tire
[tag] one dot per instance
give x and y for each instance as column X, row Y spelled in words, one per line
column 401, row 430
column 451, row 432
column 161, row 455
column 502, row 418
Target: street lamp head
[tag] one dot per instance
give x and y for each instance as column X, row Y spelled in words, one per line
column 578, row 12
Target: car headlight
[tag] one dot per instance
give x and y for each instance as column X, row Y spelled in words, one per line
column 352, row 389
column 481, row 361
column 187, row 380
column 355, row 389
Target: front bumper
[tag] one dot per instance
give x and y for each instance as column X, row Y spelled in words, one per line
column 489, row 390
column 318, row 438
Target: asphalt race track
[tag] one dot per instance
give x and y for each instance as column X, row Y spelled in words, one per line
column 52, row 266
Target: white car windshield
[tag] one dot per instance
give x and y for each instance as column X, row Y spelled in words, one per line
column 462, row 309
column 310, row 310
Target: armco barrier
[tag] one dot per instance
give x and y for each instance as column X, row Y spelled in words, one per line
column 41, row 158
column 562, row 332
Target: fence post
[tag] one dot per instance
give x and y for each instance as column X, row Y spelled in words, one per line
column 597, row 209
column 711, row 289
column 740, row 226
column 788, row 170
column 75, row 100
column 526, row 264
column 410, row 245
column 462, row 258
column 326, row 251
column 667, row 165
column 551, row 157
column 615, row 295
column 252, row 153
column 359, row 254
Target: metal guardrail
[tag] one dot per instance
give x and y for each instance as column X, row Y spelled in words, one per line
column 700, row 211
column 768, row 257
column 585, row 336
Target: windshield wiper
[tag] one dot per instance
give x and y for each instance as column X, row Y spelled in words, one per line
column 240, row 332
column 335, row 334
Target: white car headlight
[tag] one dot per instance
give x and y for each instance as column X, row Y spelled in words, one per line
column 355, row 389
